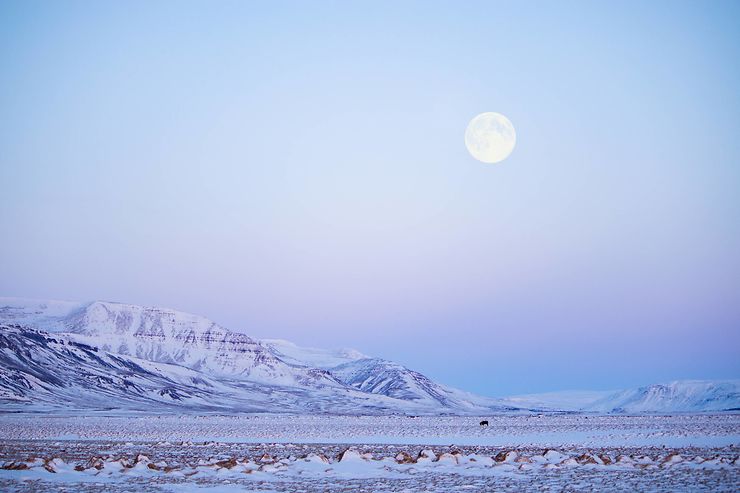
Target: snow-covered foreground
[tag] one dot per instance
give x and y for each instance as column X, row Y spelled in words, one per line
column 320, row 453
column 682, row 430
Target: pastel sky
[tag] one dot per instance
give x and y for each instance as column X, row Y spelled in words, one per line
column 298, row 171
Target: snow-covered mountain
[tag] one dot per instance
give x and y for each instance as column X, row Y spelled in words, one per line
column 42, row 371
column 383, row 377
column 103, row 355
column 116, row 345
column 679, row 396
column 380, row 377
column 43, row 368
column 161, row 335
column 42, row 314
column 674, row 397
column 319, row 358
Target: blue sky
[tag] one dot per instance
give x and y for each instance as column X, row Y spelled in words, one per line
column 298, row 171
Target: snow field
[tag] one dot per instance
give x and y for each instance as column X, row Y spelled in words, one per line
column 273, row 453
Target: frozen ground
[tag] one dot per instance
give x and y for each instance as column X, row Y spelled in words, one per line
column 310, row 453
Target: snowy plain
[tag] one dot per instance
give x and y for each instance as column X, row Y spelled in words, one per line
column 560, row 452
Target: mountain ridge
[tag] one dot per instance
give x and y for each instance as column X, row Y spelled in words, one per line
column 170, row 337
column 129, row 355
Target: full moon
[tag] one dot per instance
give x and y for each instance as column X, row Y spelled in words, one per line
column 490, row 137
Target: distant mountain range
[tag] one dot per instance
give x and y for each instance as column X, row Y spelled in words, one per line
column 71, row 357
column 675, row 397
